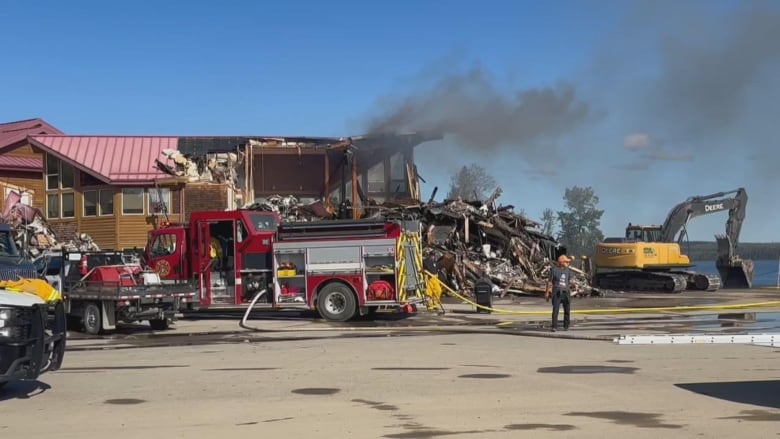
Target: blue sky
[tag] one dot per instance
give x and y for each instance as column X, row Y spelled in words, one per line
column 324, row 68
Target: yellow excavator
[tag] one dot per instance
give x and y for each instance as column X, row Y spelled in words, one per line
column 649, row 258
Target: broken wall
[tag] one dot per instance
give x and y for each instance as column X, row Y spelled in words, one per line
column 204, row 196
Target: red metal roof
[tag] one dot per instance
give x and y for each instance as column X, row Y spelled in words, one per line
column 15, row 132
column 23, row 164
column 113, row 159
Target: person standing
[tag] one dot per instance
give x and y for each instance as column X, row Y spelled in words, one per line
column 559, row 287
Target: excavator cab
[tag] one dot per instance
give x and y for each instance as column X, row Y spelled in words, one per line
column 637, row 233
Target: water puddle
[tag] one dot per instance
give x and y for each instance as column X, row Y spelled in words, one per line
column 241, row 369
column 410, row 368
column 587, row 369
column 641, row 420
column 124, row 401
column 316, row 391
column 750, row 321
column 485, row 375
column 551, row 427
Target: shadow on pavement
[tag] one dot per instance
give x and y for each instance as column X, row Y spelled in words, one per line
column 23, row 390
column 761, row 393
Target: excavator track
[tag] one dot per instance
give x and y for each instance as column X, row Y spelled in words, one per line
column 701, row 282
column 642, row 281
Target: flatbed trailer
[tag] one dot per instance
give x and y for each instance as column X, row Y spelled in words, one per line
column 103, row 288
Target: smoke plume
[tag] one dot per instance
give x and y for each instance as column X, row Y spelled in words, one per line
column 716, row 78
column 476, row 113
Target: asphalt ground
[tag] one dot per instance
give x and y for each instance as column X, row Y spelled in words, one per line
column 461, row 374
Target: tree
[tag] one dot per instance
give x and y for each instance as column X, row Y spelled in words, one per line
column 548, row 222
column 580, row 224
column 471, row 183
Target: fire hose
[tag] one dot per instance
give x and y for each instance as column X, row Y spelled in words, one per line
column 766, row 304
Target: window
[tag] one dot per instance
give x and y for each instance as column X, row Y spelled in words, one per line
column 7, row 245
column 53, row 206
column 159, row 200
column 263, row 222
column 52, row 173
column 106, row 202
column 133, row 201
column 68, row 205
column 59, row 175
column 99, row 202
column 376, row 178
column 397, row 173
column 67, row 176
column 163, row 245
column 241, row 232
column 90, row 203
column 88, row 180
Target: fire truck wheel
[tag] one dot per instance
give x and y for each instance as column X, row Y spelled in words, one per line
column 336, row 302
column 93, row 319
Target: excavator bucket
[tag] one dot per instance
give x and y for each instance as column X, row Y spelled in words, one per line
column 734, row 271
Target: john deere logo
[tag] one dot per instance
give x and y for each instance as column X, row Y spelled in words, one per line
column 617, row 251
column 649, row 251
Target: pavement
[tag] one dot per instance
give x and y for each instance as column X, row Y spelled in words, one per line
column 499, row 376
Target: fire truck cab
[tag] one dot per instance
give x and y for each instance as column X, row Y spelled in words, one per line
column 340, row 268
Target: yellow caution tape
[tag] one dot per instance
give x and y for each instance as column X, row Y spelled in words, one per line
column 38, row 287
column 617, row 310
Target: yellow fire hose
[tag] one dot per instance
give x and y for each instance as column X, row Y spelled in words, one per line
column 616, row 310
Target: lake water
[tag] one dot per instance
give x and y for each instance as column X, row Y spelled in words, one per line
column 764, row 272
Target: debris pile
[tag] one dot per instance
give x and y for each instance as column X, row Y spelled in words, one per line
column 218, row 168
column 472, row 239
column 32, row 235
column 293, row 210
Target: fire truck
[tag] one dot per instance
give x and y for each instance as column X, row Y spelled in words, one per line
column 341, row 268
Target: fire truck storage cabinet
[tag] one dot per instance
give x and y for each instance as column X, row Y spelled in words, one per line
column 302, row 267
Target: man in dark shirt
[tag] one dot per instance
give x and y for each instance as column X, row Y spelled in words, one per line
column 559, row 286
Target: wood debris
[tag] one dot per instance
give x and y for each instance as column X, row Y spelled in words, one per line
column 32, row 235
column 472, row 239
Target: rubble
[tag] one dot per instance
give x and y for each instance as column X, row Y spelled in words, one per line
column 471, row 239
column 218, row 168
column 293, row 210
column 32, row 235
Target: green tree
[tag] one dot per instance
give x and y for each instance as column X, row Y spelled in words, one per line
column 471, row 183
column 579, row 224
column 548, row 222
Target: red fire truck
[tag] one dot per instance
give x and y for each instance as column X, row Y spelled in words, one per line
column 341, row 268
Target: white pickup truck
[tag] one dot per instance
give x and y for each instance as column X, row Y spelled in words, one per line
column 32, row 336
column 32, row 331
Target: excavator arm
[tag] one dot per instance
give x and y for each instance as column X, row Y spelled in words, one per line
column 703, row 205
column 734, row 271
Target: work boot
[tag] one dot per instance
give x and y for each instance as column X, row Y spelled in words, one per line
column 553, row 329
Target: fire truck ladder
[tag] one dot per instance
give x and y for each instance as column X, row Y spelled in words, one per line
column 410, row 272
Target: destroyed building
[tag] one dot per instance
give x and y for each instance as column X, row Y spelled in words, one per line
column 115, row 189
